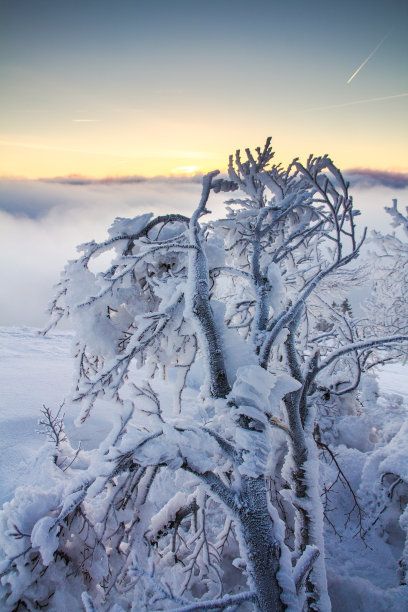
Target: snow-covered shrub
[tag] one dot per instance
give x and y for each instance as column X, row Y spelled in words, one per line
column 384, row 486
column 215, row 347
column 387, row 305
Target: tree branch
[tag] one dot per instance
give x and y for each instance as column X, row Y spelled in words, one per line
column 219, row 604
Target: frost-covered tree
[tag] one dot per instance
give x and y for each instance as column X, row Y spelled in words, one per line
column 213, row 344
column 387, row 306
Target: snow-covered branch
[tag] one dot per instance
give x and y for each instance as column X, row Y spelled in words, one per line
column 223, row 352
column 219, row 604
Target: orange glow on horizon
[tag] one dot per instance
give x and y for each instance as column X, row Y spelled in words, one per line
column 94, row 158
column 186, row 170
column 161, row 97
column 45, row 161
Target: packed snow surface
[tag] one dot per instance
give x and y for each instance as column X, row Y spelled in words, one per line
column 36, row 371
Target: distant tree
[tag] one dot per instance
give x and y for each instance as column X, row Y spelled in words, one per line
column 207, row 342
column 387, row 305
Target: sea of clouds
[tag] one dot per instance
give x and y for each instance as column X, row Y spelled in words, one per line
column 42, row 221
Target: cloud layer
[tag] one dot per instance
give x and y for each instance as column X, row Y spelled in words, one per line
column 36, row 199
column 42, row 222
column 366, row 178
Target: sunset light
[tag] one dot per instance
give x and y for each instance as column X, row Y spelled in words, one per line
column 140, row 91
column 181, row 170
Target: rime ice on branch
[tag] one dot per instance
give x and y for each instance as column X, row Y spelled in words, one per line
column 214, row 499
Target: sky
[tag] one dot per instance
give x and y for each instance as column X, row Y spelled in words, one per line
column 101, row 88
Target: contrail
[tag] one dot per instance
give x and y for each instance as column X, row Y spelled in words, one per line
column 368, row 58
column 403, row 95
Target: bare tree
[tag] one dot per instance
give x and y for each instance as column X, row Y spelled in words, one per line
column 243, row 305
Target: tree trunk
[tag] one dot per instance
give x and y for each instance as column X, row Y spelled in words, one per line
column 263, row 547
column 198, row 303
column 306, row 500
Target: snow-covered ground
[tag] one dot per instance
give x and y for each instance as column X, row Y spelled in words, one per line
column 394, row 379
column 38, row 370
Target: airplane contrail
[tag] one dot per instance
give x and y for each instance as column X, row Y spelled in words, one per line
column 368, row 58
column 365, row 101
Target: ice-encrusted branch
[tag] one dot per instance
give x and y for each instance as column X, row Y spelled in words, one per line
column 94, row 248
column 397, row 216
column 285, row 317
column 359, row 346
column 304, row 565
column 216, row 486
column 88, row 603
column 198, row 301
column 219, row 604
column 230, row 270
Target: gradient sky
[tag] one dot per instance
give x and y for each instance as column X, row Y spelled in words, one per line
column 104, row 88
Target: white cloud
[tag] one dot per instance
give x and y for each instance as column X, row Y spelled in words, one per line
column 365, row 178
column 42, row 222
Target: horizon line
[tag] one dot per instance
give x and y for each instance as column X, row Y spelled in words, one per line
column 379, row 174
